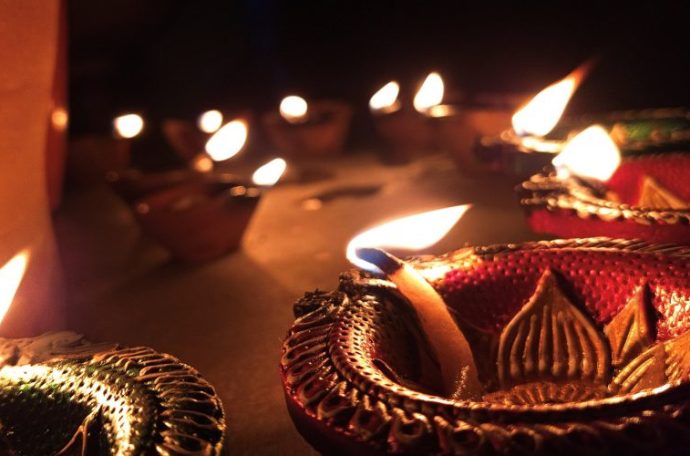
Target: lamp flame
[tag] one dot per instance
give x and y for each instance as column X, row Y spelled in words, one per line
column 210, row 121
column 592, row 153
column 11, row 275
column 541, row 114
column 294, row 109
column 268, row 174
column 430, row 93
column 386, row 98
column 228, row 141
column 414, row 232
column 128, row 125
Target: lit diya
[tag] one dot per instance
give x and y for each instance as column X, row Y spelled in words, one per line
column 593, row 193
column 570, row 346
column 301, row 130
column 60, row 395
column 405, row 126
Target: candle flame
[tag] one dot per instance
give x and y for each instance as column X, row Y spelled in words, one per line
column 210, row 121
column 11, row 275
column 294, row 109
column 386, row 98
column 227, row 141
column 430, row 93
column 541, row 114
column 128, row 125
column 592, row 153
column 269, row 173
column 411, row 233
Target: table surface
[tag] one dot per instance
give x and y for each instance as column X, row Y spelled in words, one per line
column 228, row 317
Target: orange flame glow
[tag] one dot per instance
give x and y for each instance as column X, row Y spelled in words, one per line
column 430, row 93
column 541, row 114
column 386, row 98
column 228, row 141
column 411, row 233
column 294, row 109
column 11, row 275
column 269, row 173
column 128, row 125
column 592, row 153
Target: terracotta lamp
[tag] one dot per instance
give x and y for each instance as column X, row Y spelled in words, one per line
column 644, row 197
column 61, row 395
column 404, row 123
column 458, row 126
column 555, row 347
column 303, row 131
column 198, row 220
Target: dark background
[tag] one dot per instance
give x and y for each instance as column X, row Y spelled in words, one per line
column 176, row 58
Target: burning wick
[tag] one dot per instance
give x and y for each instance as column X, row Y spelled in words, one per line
column 429, row 94
column 542, row 113
column 590, row 154
column 11, row 275
column 228, row 141
column 385, row 99
column 128, row 126
column 210, row 121
column 268, row 174
column 294, row 109
column 447, row 342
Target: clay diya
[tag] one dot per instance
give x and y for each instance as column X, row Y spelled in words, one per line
column 404, row 123
column 458, row 126
column 305, row 131
column 647, row 198
column 555, row 347
column 198, row 220
column 61, row 395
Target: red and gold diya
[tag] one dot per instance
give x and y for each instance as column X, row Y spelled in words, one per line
column 301, row 130
column 645, row 198
column 60, row 395
column 556, row 347
column 200, row 219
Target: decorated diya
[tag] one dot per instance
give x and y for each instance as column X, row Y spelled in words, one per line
column 646, row 197
column 61, row 395
column 571, row 346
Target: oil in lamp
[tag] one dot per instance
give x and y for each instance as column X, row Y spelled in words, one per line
column 61, row 395
column 303, row 130
column 592, row 192
column 567, row 346
column 405, row 127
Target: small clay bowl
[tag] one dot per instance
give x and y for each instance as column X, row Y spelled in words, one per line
column 90, row 158
column 459, row 125
column 132, row 184
column 580, row 345
column 62, row 395
column 647, row 198
column 323, row 134
column 406, row 133
column 198, row 220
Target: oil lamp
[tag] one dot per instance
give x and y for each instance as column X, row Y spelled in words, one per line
column 91, row 158
column 82, row 398
column 593, row 192
column 566, row 346
column 405, row 127
column 305, row 130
